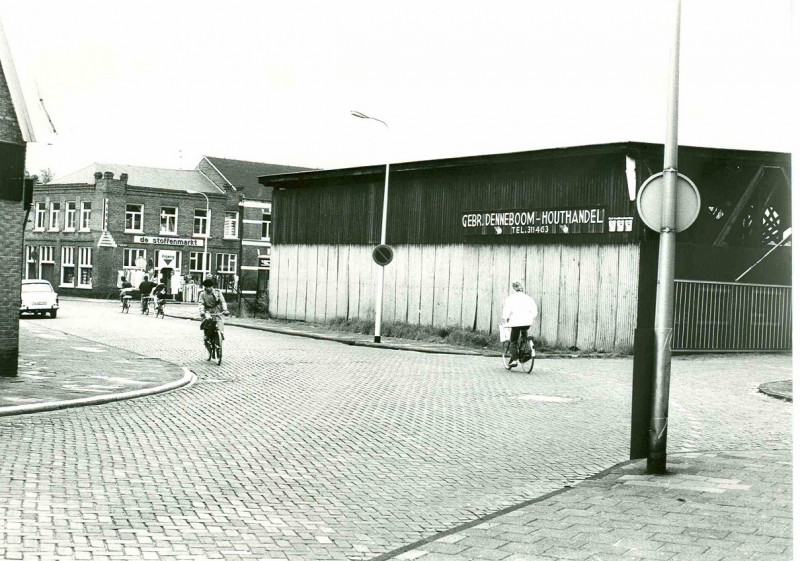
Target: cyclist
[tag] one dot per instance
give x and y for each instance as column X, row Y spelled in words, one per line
column 211, row 301
column 160, row 293
column 519, row 312
column 145, row 288
column 125, row 288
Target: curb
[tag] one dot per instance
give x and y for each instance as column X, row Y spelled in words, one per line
column 188, row 378
column 774, row 390
column 352, row 342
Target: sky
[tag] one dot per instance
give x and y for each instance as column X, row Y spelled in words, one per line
column 164, row 83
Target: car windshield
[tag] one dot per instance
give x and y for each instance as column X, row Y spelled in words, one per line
column 36, row 288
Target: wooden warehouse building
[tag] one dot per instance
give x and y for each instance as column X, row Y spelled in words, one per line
column 563, row 220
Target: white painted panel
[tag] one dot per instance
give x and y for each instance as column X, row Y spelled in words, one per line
column 469, row 297
column 342, row 282
column 367, row 282
column 484, row 308
column 426, row 285
column 501, row 283
column 414, row 283
column 627, row 297
column 273, row 282
column 587, row 296
column 353, row 273
column 534, row 265
column 401, row 265
column 321, row 291
column 568, row 296
column 455, row 294
column 607, row 298
column 331, row 288
column 441, row 285
column 311, row 283
column 551, row 283
column 291, row 279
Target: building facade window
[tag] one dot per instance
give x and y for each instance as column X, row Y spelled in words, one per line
column 130, row 255
column 55, row 213
column 169, row 220
column 84, row 267
column 231, row 225
column 69, row 216
column 134, row 215
column 198, row 265
column 46, row 254
column 30, row 262
column 68, row 266
column 200, row 223
column 39, row 218
column 86, row 215
column 226, row 263
column 266, row 224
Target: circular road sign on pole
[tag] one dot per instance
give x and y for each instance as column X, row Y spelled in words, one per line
column 382, row 255
column 648, row 202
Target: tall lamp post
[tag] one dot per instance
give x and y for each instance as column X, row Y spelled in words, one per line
column 379, row 287
column 208, row 230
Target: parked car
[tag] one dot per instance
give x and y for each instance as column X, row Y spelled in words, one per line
column 39, row 298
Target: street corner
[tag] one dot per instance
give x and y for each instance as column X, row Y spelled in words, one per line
column 57, row 371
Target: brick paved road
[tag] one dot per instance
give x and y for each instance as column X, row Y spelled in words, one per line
column 303, row 449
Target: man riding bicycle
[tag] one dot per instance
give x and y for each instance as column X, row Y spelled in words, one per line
column 145, row 288
column 519, row 311
column 211, row 301
column 160, row 293
column 125, row 288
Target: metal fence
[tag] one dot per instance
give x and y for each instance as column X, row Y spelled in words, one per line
column 723, row 316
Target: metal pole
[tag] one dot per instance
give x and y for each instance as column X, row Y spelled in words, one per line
column 665, row 298
column 379, row 288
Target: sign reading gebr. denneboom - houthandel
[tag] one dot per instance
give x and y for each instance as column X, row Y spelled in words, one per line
column 535, row 221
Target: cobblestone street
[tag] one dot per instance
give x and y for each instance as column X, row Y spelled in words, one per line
column 303, row 449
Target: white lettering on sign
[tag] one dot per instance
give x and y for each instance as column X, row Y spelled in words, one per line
column 159, row 240
column 539, row 221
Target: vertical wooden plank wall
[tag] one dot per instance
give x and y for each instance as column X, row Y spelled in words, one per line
column 586, row 293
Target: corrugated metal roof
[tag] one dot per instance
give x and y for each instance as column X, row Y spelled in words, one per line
column 243, row 175
column 139, row 176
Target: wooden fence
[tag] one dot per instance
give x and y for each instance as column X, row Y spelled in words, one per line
column 586, row 293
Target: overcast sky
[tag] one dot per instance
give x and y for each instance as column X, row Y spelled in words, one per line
column 163, row 83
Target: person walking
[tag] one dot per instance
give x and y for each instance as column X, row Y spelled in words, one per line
column 519, row 312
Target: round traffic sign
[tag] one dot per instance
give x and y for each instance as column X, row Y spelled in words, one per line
column 687, row 202
column 382, row 255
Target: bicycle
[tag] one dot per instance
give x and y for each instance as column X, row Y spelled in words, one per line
column 146, row 300
column 213, row 338
column 160, row 307
column 126, row 303
column 526, row 353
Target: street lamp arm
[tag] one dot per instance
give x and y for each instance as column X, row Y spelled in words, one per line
column 361, row 115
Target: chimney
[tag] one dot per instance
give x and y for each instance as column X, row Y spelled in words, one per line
column 108, row 175
column 123, row 177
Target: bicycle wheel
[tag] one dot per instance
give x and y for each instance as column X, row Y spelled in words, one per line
column 218, row 345
column 209, row 348
column 527, row 366
column 507, row 355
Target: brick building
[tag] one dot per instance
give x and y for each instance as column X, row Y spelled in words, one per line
column 256, row 213
column 91, row 227
column 15, row 132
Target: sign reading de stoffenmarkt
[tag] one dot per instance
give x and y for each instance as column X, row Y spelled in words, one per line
column 537, row 221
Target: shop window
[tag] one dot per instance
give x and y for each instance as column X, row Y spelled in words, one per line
column 130, row 255
column 134, row 218
column 169, row 220
column 85, row 267
column 226, row 262
column 68, row 266
column 198, row 262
